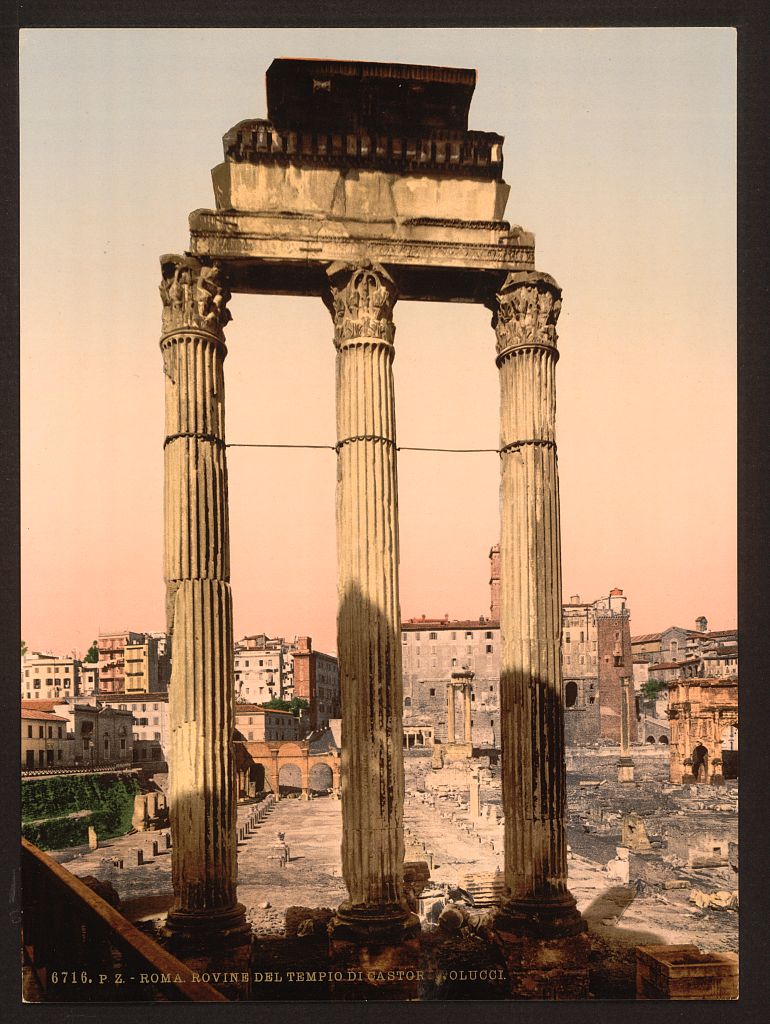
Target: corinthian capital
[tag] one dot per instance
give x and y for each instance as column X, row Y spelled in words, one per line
column 526, row 310
column 360, row 300
column 194, row 295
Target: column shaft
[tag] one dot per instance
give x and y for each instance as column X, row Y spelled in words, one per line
column 199, row 602
column 467, row 713
column 532, row 725
column 368, row 624
column 450, row 713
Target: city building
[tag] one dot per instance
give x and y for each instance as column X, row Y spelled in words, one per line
column 150, row 725
column 44, row 742
column 431, row 649
column 677, row 644
column 89, row 678
column 147, row 666
column 317, row 680
column 263, row 669
column 596, row 655
column 111, row 647
column 47, row 677
column 273, row 668
column 103, row 735
column 258, row 724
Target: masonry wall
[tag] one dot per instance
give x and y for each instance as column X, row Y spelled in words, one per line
column 614, row 664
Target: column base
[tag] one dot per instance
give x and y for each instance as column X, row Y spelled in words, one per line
column 377, row 956
column 545, row 948
column 207, row 931
column 377, row 925
column 625, row 769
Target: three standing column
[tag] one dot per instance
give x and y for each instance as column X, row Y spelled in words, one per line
column 199, row 607
column 532, row 722
column 361, row 299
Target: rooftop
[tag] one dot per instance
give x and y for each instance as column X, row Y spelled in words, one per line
column 42, row 716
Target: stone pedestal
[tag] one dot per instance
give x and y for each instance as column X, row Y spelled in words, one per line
column 625, row 770
column 361, row 300
column 539, row 928
column 543, row 968
column 376, row 972
column 199, row 611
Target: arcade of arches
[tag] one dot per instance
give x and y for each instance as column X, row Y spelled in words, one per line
column 286, row 769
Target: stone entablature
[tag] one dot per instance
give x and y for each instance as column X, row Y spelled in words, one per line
column 437, row 151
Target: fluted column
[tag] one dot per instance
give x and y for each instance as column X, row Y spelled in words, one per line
column 531, row 720
column 199, row 605
column 360, row 299
column 467, row 713
column 450, row 713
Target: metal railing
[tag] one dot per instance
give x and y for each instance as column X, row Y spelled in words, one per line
column 81, row 949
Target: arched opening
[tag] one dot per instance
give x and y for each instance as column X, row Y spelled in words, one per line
column 570, row 693
column 730, row 752
column 650, row 739
column 663, row 739
column 289, row 780
column 321, row 779
column 257, row 778
column 700, row 762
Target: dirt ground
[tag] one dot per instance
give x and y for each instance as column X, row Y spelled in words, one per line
column 638, row 913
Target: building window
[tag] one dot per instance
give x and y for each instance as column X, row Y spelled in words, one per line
column 566, row 638
column 488, row 635
column 582, row 636
column 407, row 702
column 454, row 662
column 433, row 636
column 618, row 660
column 404, row 638
column 156, row 735
column 29, row 731
column 417, row 636
column 469, row 634
column 41, row 733
column 489, row 648
column 60, row 732
column 432, row 691
column 454, row 636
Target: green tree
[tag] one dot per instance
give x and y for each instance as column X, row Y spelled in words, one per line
column 652, row 688
column 295, row 705
column 93, row 654
column 23, row 648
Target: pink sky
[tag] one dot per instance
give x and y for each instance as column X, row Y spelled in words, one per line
column 620, row 153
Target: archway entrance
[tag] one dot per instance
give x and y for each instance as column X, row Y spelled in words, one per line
column 730, row 752
column 700, row 763
column 289, row 780
column 321, row 780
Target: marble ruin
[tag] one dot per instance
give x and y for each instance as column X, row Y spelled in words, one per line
column 364, row 188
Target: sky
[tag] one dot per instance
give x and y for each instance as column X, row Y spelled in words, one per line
column 620, row 153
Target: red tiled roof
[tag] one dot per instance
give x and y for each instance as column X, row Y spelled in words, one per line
column 646, row 638
column 42, row 716
column 41, row 705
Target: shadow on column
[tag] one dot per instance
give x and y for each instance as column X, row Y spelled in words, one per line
column 374, row 930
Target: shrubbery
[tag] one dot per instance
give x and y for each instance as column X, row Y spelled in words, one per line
column 109, row 798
